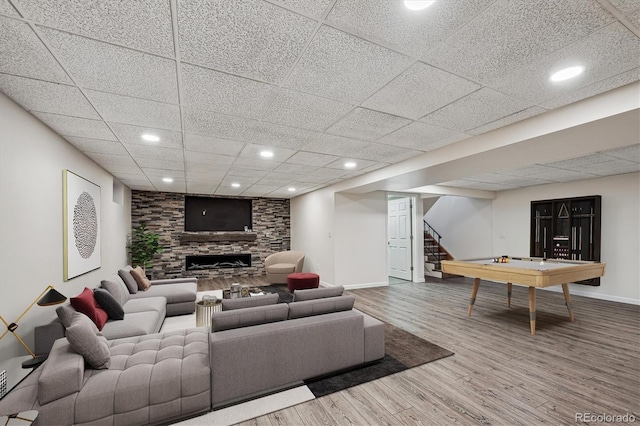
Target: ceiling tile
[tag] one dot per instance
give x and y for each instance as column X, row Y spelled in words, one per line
column 252, row 151
column 208, row 158
column 560, row 175
column 371, row 168
column 420, row 90
column 24, row 54
column 316, row 179
column 255, row 164
column 595, row 53
column 279, row 179
column 511, row 34
column 516, row 181
column 98, row 146
column 474, row 110
column 214, row 124
column 326, row 173
column 209, row 176
column 160, row 173
column 265, row 40
column 407, row 31
column 311, row 159
column 627, row 7
column 259, row 190
column 360, row 164
column 141, row 112
column 284, row 191
column 631, row 153
column 367, row 124
column 340, row 66
column 532, row 170
column 118, row 169
column 155, row 152
column 336, row 145
column 229, row 190
column 279, row 136
column 133, row 176
column 235, row 171
column 386, row 153
column 242, row 180
column 201, row 187
column 109, row 68
column 580, row 162
column 635, row 19
column 205, row 169
column 7, row 9
column 107, row 159
column 157, row 163
column 305, row 111
column 510, row 119
column 615, row 167
column 212, row 145
column 43, row 96
column 75, row 126
column 294, row 168
column 215, row 91
column 176, row 186
column 141, row 24
column 593, row 89
column 129, row 134
column 422, row 137
column 313, row 8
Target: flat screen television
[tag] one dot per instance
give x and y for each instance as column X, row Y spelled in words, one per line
column 216, row 214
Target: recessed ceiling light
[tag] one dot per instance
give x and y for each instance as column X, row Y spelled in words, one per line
column 167, row 180
column 418, row 4
column 266, row 154
column 566, row 73
column 235, row 185
column 350, row 165
column 292, row 189
column 150, row 138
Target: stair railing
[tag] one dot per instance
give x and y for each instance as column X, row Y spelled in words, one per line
column 435, row 252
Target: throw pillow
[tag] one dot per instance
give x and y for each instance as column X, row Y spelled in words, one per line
column 116, row 286
column 317, row 293
column 108, row 303
column 128, row 279
column 66, row 314
column 84, row 340
column 327, row 305
column 86, row 303
column 141, row 279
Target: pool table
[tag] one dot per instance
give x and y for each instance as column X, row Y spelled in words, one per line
column 530, row 271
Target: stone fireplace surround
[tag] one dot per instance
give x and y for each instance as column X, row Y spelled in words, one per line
column 163, row 212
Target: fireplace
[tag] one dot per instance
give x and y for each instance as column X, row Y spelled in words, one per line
column 218, row 261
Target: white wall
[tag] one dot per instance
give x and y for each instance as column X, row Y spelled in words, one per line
column 312, row 217
column 465, row 225
column 620, row 229
column 360, row 238
column 32, row 158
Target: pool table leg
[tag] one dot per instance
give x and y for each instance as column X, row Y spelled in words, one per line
column 532, row 309
column 474, row 292
column 509, row 286
column 567, row 299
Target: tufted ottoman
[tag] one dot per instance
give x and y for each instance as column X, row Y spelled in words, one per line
column 302, row 280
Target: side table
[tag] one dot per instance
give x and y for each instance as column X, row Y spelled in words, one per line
column 13, row 373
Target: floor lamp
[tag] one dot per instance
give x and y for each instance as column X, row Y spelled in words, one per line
column 48, row 297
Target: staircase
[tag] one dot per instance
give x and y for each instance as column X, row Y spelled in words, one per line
column 434, row 253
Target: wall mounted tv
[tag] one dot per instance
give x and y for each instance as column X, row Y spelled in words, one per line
column 216, row 214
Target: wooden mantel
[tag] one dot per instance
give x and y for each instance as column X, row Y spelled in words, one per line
column 203, row 237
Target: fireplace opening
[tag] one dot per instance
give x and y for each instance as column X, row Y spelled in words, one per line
column 218, row 261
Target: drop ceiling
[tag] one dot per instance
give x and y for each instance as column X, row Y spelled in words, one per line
column 316, row 82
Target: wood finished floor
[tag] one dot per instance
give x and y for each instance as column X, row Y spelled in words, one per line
column 500, row 374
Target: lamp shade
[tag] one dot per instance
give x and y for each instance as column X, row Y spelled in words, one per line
column 52, row 297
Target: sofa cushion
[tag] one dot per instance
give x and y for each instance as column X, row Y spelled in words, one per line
column 317, row 293
column 84, row 340
column 236, row 318
column 141, row 278
column 281, row 268
column 62, row 374
column 326, row 305
column 174, row 293
column 66, row 314
column 249, row 302
column 128, row 279
column 108, row 303
column 117, row 288
column 86, row 303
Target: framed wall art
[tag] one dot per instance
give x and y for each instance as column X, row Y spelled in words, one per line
column 81, row 225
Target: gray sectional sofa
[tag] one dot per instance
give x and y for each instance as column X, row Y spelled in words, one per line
column 255, row 346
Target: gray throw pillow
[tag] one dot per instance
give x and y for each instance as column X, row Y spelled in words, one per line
column 108, row 303
column 117, row 288
column 66, row 314
column 83, row 338
column 317, row 293
column 128, row 279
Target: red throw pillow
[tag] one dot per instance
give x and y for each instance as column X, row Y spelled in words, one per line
column 86, row 303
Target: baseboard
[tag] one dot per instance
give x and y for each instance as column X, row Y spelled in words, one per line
column 591, row 295
column 365, row 285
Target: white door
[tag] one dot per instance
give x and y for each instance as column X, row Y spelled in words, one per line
column 399, row 224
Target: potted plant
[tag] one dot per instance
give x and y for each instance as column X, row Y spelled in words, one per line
column 143, row 245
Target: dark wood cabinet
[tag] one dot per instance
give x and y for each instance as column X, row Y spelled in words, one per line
column 567, row 228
